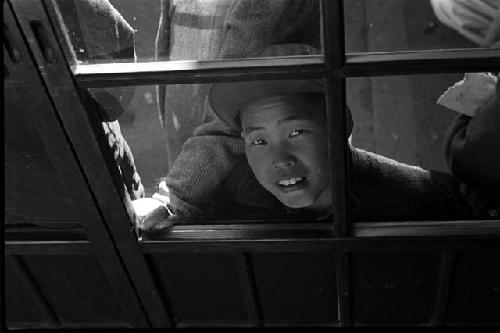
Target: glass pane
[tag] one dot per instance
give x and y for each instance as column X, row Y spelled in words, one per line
column 419, row 141
column 170, row 30
column 211, row 172
column 403, row 25
column 278, row 170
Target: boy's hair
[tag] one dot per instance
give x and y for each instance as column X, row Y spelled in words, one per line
column 316, row 100
column 228, row 98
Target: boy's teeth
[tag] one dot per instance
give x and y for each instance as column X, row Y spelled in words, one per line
column 291, row 181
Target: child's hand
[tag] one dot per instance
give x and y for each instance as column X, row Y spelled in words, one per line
column 152, row 214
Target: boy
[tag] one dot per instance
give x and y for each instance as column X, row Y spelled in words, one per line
column 286, row 170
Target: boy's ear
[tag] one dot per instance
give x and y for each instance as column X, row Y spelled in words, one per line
column 241, row 134
column 349, row 122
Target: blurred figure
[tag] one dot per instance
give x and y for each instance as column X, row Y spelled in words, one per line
column 98, row 33
column 472, row 143
column 472, row 150
column 477, row 20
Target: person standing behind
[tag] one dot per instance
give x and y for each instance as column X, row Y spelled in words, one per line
column 472, row 151
column 472, row 141
column 99, row 33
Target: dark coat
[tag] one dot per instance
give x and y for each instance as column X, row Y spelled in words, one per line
column 473, row 147
column 380, row 189
column 472, row 150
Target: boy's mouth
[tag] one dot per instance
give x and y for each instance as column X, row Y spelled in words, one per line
column 291, row 184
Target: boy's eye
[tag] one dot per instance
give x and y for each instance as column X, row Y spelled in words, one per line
column 258, row 142
column 295, row 133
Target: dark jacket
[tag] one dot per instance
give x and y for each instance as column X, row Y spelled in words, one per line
column 380, row 189
column 473, row 147
column 472, row 150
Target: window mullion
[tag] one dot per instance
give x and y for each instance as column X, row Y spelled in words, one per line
column 333, row 44
column 188, row 72
column 336, row 107
column 421, row 62
column 334, row 50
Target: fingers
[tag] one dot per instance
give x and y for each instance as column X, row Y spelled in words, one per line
column 158, row 224
column 152, row 213
column 155, row 225
column 164, row 224
column 154, row 218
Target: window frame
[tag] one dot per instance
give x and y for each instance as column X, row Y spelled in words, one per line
column 81, row 127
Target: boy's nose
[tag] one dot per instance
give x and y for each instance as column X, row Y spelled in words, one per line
column 284, row 161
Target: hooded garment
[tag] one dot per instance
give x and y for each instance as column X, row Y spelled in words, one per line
column 380, row 189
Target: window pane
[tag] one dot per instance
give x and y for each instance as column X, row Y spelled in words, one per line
column 278, row 170
column 170, row 30
column 399, row 118
column 402, row 25
column 398, row 169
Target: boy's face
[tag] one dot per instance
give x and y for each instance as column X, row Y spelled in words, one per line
column 287, row 148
